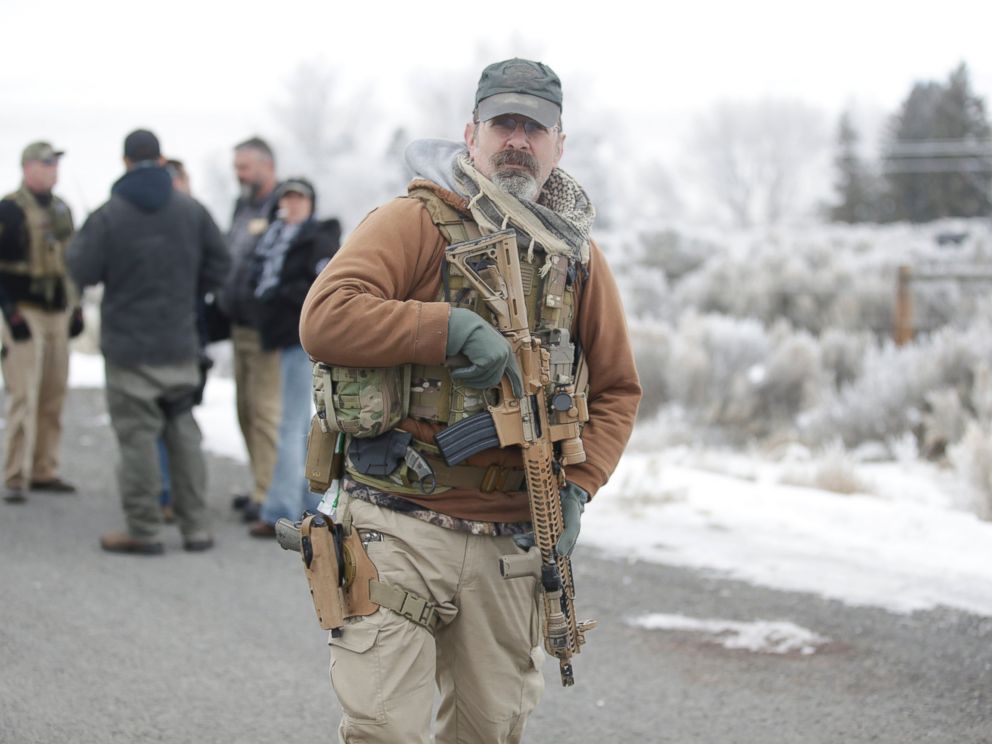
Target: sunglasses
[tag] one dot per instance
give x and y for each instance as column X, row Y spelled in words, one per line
column 505, row 126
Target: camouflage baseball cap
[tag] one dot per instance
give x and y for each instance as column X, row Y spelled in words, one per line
column 40, row 151
column 519, row 86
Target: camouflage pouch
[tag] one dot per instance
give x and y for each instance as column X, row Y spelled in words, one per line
column 361, row 402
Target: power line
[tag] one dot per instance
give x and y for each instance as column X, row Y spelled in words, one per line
column 939, row 148
column 969, row 158
column 922, row 166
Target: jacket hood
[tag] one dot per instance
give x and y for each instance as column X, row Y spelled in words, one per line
column 148, row 187
column 434, row 160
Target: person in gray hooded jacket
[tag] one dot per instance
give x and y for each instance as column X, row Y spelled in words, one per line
column 156, row 251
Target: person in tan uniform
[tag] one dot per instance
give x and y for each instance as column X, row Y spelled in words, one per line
column 40, row 307
column 390, row 299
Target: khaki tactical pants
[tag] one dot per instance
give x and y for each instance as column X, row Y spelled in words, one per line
column 35, row 372
column 135, row 400
column 257, row 378
column 485, row 658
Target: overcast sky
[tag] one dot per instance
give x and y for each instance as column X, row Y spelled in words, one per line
column 204, row 75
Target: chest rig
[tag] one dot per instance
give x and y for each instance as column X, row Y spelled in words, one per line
column 48, row 232
column 551, row 285
column 37, row 260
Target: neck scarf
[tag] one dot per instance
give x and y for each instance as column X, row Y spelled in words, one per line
column 270, row 254
column 558, row 222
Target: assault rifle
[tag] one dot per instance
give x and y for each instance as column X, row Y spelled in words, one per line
column 545, row 428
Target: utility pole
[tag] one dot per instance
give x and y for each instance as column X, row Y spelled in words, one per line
column 902, row 332
column 903, row 323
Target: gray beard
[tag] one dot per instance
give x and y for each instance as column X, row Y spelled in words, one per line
column 518, row 184
column 248, row 191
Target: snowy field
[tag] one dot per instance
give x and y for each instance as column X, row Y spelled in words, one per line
column 906, row 543
column 903, row 547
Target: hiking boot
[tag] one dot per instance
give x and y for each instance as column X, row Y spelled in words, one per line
column 14, row 496
column 121, row 542
column 198, row 545
column 262, row 529
column 53, row 485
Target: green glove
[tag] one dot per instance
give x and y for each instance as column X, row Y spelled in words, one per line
column 573, row 503
column 488, row 352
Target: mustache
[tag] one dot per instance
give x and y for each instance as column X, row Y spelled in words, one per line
column 516, row 157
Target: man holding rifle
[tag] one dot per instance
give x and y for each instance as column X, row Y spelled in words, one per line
column 439, row 517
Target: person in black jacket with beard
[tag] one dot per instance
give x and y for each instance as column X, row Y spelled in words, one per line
column 287, row 260
column 156, row 251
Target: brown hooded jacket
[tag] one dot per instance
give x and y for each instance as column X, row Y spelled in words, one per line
column 375, row 305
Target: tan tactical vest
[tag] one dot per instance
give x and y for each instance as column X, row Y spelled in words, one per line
column 49, row 230
column 436, row 397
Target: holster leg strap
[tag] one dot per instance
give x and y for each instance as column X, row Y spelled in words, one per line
column 415, row 609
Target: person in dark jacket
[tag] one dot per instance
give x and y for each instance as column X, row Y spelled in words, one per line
column 287, row 260
column 256, row 371
column 155, row 250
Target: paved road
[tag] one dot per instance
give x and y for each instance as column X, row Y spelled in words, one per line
column 224, row 646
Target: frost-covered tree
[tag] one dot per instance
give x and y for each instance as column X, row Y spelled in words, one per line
column 937, row 157
column 893, row 392
column 755, row 157
column 337, row 137
column 855, row 188
column 218, row 188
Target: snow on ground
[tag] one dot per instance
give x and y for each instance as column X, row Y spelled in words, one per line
column 216, row 415
column 218, row 420
column 903, row 545
column 761, row 636
column 85, row 371
column 902, row 555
